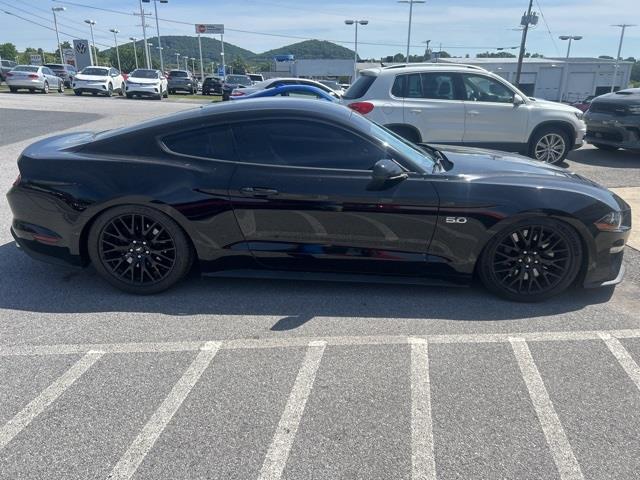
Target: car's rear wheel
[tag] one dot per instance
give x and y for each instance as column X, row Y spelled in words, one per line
column 607, row 148
column 139, row 250
column 531, row 260
column 61, row 87
column 550, row 145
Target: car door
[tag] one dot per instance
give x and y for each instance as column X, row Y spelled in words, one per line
column 432, row 103
column 51, row 77
column 303, row 199
column 492, row 116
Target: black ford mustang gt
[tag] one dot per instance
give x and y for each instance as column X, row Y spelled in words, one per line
column 301, row 185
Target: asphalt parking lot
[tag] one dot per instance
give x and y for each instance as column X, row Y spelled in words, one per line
column 256, row 379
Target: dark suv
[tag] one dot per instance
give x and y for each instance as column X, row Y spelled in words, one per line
column 182, row 81
column 613, row 120
column 5, row 67
column 212, row 86
column 65, row 72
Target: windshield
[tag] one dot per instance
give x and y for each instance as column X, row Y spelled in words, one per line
column 54, row 66
column 140, row 73
column 100, row 72
column 25, row 68
column 239, row 79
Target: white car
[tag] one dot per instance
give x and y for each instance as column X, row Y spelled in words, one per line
column 32, row 78
column 277, row 82
column 465, row 105
column 95, row 80
column 144, row 82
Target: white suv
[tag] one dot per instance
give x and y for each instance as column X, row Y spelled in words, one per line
column 465, row 105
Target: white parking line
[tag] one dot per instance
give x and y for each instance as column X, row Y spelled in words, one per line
column 622, row 355
column 561, row 451
column 278, row 452
column 295, row 342
column 423, row 465
column 23, row 418
column 130, row 461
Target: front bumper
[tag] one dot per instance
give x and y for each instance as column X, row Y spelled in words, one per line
column 617, row 131
column 90, row 87
column 146, row 90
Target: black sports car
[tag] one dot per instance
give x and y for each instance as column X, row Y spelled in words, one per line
column 299, row 185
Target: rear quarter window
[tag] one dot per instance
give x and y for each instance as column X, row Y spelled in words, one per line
column 215, row 142
column 360, row 87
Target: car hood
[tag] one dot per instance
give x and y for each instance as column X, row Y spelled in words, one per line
column 92, row 78
column 478, row 164
column 538, row 102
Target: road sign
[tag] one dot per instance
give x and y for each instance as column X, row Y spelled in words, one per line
column 210, row 29
column 35, row 59
column 69, row 55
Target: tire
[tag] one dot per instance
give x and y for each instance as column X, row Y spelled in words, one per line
column 95, row 94
column 129, row 95
column 45, row 90
column 550, row 145
column 121, row 92
column 109, row 90
column 31, row 90
column 77, row 92
column 550, row 265
column 606, row 148
column 124, row 262
column 13, row 89
column 61, row 87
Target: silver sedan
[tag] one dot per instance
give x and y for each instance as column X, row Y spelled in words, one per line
column 32, row 78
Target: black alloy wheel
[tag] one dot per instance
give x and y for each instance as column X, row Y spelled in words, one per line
column 139, row 250
column 532, row 261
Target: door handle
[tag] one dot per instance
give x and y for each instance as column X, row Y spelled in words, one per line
column 258, row 191
column 415, row 110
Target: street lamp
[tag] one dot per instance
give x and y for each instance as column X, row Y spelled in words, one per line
column 149, row 46
column 91, row 23
column 565, row 70
column 186, row 60
column 55, row 23
column 193, row 65
column 178, row 60
column 615, row 69
column 115, row 32
column 410, row 2
column 355, row 60
column 135, row 50
column 155, row 7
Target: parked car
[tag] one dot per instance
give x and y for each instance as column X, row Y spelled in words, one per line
column 295, row 184
column 613, row 120
column 32, row 78
column 304, row 91
column 144, row 82
column 5, row 67
column 234, row 82
column 333, row 85
column 276, row 82
column 182, row 81
column 465, row 105
column 583, row 105
column 255, row 77
column 212, row 86
column 65, row 72
column 99, row 80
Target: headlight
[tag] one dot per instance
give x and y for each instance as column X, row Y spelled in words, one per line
column 579, row 115
column 634, row 109
column 611, row 222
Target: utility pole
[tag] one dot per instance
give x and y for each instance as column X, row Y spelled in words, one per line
column 224, row 66
column 617, row 65
column 410, row 2
column 528, row 18
column 144, row 34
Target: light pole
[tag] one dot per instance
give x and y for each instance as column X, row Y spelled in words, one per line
column 428, row 52
column 149, row 47
column 55, row 23
column 91, row 23
column 186, row 62
column 410, row 2
column 193, row 65
column 178, row 60
column 623, row 26
column 115, row 32
column 355, row 59
column 135, row 50
column 565, row 70
column 155, row 7
column 224, row 67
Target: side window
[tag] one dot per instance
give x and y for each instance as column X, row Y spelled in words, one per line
column 414, row 86
column 46, row 71
column 398, row 88
column 484, row 89
column 438, row 86
column 304, row 144
column 209, row 142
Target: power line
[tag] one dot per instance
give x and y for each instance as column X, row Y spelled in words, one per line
column 553, row 40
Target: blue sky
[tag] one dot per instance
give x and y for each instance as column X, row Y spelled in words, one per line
column 462, row 26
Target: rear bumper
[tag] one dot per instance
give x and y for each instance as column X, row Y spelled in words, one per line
column 23, row 83
column 56, row 255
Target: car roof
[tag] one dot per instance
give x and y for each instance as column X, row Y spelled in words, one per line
column 422, row 67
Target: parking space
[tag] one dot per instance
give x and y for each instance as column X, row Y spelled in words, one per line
column 279, row 379
column 490, row 406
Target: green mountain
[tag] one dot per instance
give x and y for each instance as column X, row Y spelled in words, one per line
column 309, row 49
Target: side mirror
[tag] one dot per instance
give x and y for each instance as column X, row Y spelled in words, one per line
column 384, row 172
column 517, row 100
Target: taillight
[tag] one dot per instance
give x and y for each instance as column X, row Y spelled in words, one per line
column 361, row 107
column 33, row 76
column 17, row 181
column 237, row 94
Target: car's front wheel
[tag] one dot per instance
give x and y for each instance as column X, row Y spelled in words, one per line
column 550, row 145
column 139, row 250
column 532, row 260
column 109, row 92
column 45, row 89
